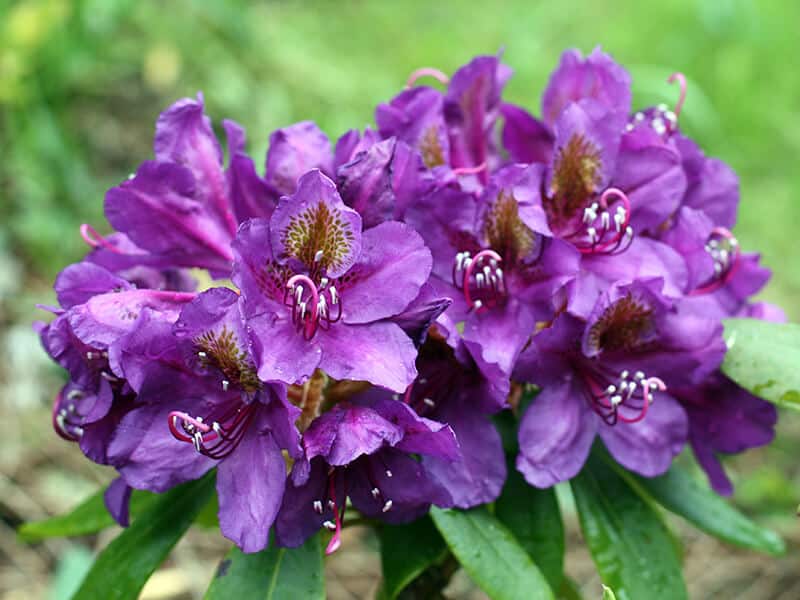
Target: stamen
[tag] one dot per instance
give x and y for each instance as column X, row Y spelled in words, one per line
column 681, row 79
column 318, row 506
column 387, row 506
column 427, row 72
column 458, row 171
column 628, row 401
column 95, row 240
column 220, row 438
column 724, row 250
column 482, row 272
column 596, row 235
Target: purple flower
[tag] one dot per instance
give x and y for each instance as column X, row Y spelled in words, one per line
column 724, row 418
column 313, row 280
column 451, row 388
column 210, row 398
column 361, row 449
column 609, row 376
column 494, row 256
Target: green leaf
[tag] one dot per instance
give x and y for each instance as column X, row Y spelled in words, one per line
column 89, row 517
column 684, row 495
column 491, row 555
column 631, row 546
column 534, row 518
column 273, row 573
column 763, row 357
column 570, row 590
column 406, row 552
column 608, row 593
column 122, row 569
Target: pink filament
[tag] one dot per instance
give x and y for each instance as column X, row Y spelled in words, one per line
column 95, row 240
column 470, row 170
column 336, row 540
column 681, row 79
column 310, row 318
column 427, row 72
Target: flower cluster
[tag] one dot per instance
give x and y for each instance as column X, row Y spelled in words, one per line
column 377, row 301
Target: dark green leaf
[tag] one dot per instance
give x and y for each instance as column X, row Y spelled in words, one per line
column 89, row 517
column 122, row 569
column 631, row 546
column 763, row 357
column 569, row 590
column 684, row 495
column 491, row 555
column 406, row 552
column 271, row 574
column 533, row 516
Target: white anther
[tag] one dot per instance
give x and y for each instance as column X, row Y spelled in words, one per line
column 202, row 354
column 318, row 507
column 498, row 272
column 493, row 263
column 302, row 310
column 611, row 389
column 467, row 261
column 479, row 280
column 77, row 431
column 323, row 283
column 616, row 400
column 671, row 117
column 624, row 374
column 225, row 384
column 329, row 525
column 629, row 127
column 331, row 504
column 592, row 234
column 104, row 354
column 74, row 395
column 334, row 299
column 623, row 386
column 639, row 375
column 318, row 256
column 387, row 507
column 605, row 219
column 422, row 381
column 619, row 219
column 428, row 402
column 197, row 440
column 108, row 376
column 477, row 304
column 322, row 306
column 589, row 215
column 388, row 473
column 60, row 420
column 217, row 428
column 631, row 388
column 298, row 294
column 662, row 107
column 71, row 408
column 90, row 355
column 376, row 493
column 639, row 117
column 395, row 396
column 629, row 232
column 659, row 126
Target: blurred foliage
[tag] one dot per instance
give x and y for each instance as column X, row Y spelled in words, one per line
column 81, row 83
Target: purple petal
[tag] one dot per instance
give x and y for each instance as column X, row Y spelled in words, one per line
column 392, row 267
column 117, row 498
column 597, row 78
column 295, row 150
column 648, row 447
column 526, row 139
column 498, row 335
column 478, row 477
column 313, row 229
column 161, row 211
column 255, row 271
column 376, row 352
column 555, row 435
column 248, row 504
column 293, row 360
column 81, row 281
column 184, row 136
column 415, row 116
column 417, row 318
